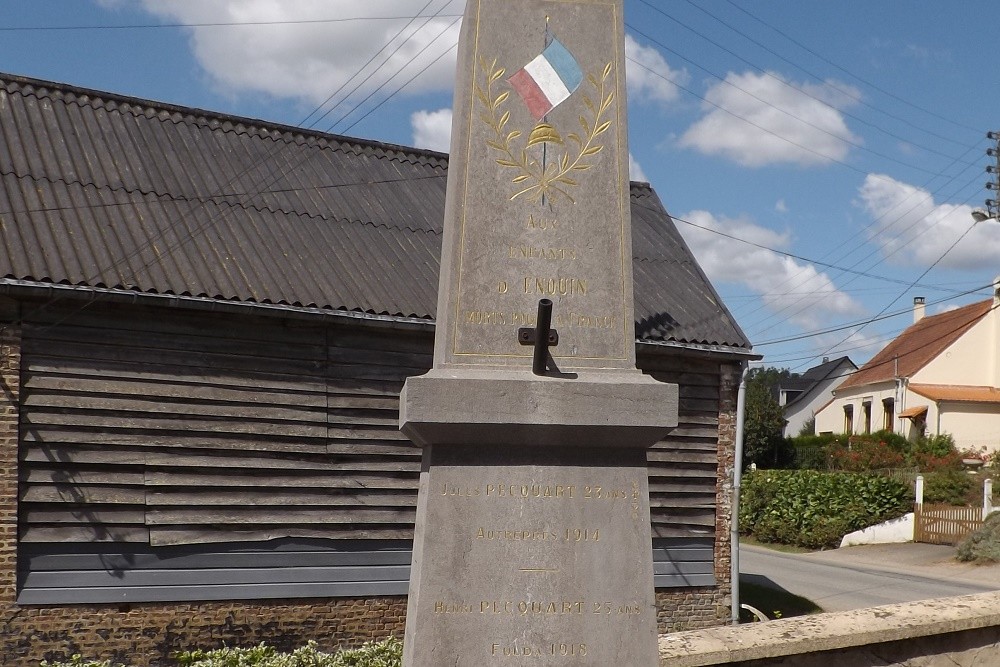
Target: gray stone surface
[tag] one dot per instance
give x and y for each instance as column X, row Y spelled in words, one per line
column 539, row 555
column 597, row 409
column 503, row 251
column 532, row 542
column 949, row 631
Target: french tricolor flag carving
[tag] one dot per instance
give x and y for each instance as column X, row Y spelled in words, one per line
column 548, row 80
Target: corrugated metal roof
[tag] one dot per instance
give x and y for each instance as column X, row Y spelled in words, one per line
column 109, row 191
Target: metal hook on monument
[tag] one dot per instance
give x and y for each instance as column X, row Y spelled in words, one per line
column 542, row 337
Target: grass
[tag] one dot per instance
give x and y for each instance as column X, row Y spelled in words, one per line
column 775, row 603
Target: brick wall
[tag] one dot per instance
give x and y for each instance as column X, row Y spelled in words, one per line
column 145, row 635
column 10, row 384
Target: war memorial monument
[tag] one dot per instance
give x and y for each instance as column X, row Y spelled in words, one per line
column 532, row 543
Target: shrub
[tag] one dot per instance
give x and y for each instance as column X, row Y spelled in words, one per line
column 77, row 660
column 982, row 546
column 815, row 509
column 866, row 454
column 951, row 487
column 936, row 445
column 387, row 653
column 930, row 462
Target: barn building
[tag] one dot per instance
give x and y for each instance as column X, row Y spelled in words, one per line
column 205, row 323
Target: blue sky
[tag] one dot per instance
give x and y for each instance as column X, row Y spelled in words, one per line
column 821, row 159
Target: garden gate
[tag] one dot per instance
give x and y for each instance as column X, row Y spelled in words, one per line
column 944, row 524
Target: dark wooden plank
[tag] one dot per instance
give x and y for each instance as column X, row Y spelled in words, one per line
column 97, row 495
column 160, row 536
column 38, row 384
column 348, row 480
column 163, row 407
column 100, row 515
column 200, row 558
column 172, row 422
column 282, row 498
column 47, row 534
column 113, row 594
column 275, row 515
column 131, row 578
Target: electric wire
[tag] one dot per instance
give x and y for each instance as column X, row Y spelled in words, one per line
column 788, row 85
column 858, row 99
column 850, row 73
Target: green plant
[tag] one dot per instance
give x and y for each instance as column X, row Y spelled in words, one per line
column 983, row 545
column 76, row 660
column 937, row 445
column 864, row 454
column 815, row 509
column 386, row 653
column 952, row 487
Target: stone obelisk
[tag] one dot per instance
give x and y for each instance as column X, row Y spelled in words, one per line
column 533, row 537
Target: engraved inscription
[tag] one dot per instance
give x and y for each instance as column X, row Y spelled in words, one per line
column 535, row 252
column 549, row 491
column 555, row 286
column 555, row 649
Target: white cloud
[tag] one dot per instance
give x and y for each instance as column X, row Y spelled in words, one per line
column 790, row 289
column 769, row 121
column 911, row 229
column 780, row 206
column 651, row 79
column 432, row 129
column 635, row 170
column 309, row 61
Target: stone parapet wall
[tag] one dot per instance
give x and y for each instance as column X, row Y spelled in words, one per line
column 948, row 632
column 146, row 635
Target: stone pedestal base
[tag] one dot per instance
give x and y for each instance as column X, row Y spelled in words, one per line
column 540, row 554
column 533, row 539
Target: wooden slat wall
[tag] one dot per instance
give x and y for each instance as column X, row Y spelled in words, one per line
column 683, row 467
column 206, row 429
column 217, row 430
column 102, row 573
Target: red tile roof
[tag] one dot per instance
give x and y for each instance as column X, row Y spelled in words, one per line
column 918, row 345
column 961, row 393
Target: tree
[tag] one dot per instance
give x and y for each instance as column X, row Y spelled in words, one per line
column 763, row 441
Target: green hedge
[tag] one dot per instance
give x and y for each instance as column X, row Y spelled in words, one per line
column 815, row 509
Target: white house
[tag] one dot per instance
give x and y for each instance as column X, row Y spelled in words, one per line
column 941, row 375
column 802, row 396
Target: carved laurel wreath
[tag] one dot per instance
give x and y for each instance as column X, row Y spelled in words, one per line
column 545, row 179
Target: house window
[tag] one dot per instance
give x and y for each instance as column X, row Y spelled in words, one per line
column 889, row 410
column 848, row 419
column 866, row 414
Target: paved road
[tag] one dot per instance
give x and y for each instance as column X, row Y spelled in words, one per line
column 859, row 577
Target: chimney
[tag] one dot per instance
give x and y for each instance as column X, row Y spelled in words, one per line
column 919, row 308
column 826, row 360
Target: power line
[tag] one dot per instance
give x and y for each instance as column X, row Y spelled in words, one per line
column 212, row 24
column 850, row 73
column 857, row 99
column 789, row 86
column 877, row 318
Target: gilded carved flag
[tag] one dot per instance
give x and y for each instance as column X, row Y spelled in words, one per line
column 548, row 80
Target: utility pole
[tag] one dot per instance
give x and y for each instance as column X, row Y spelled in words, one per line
column 992, row 206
